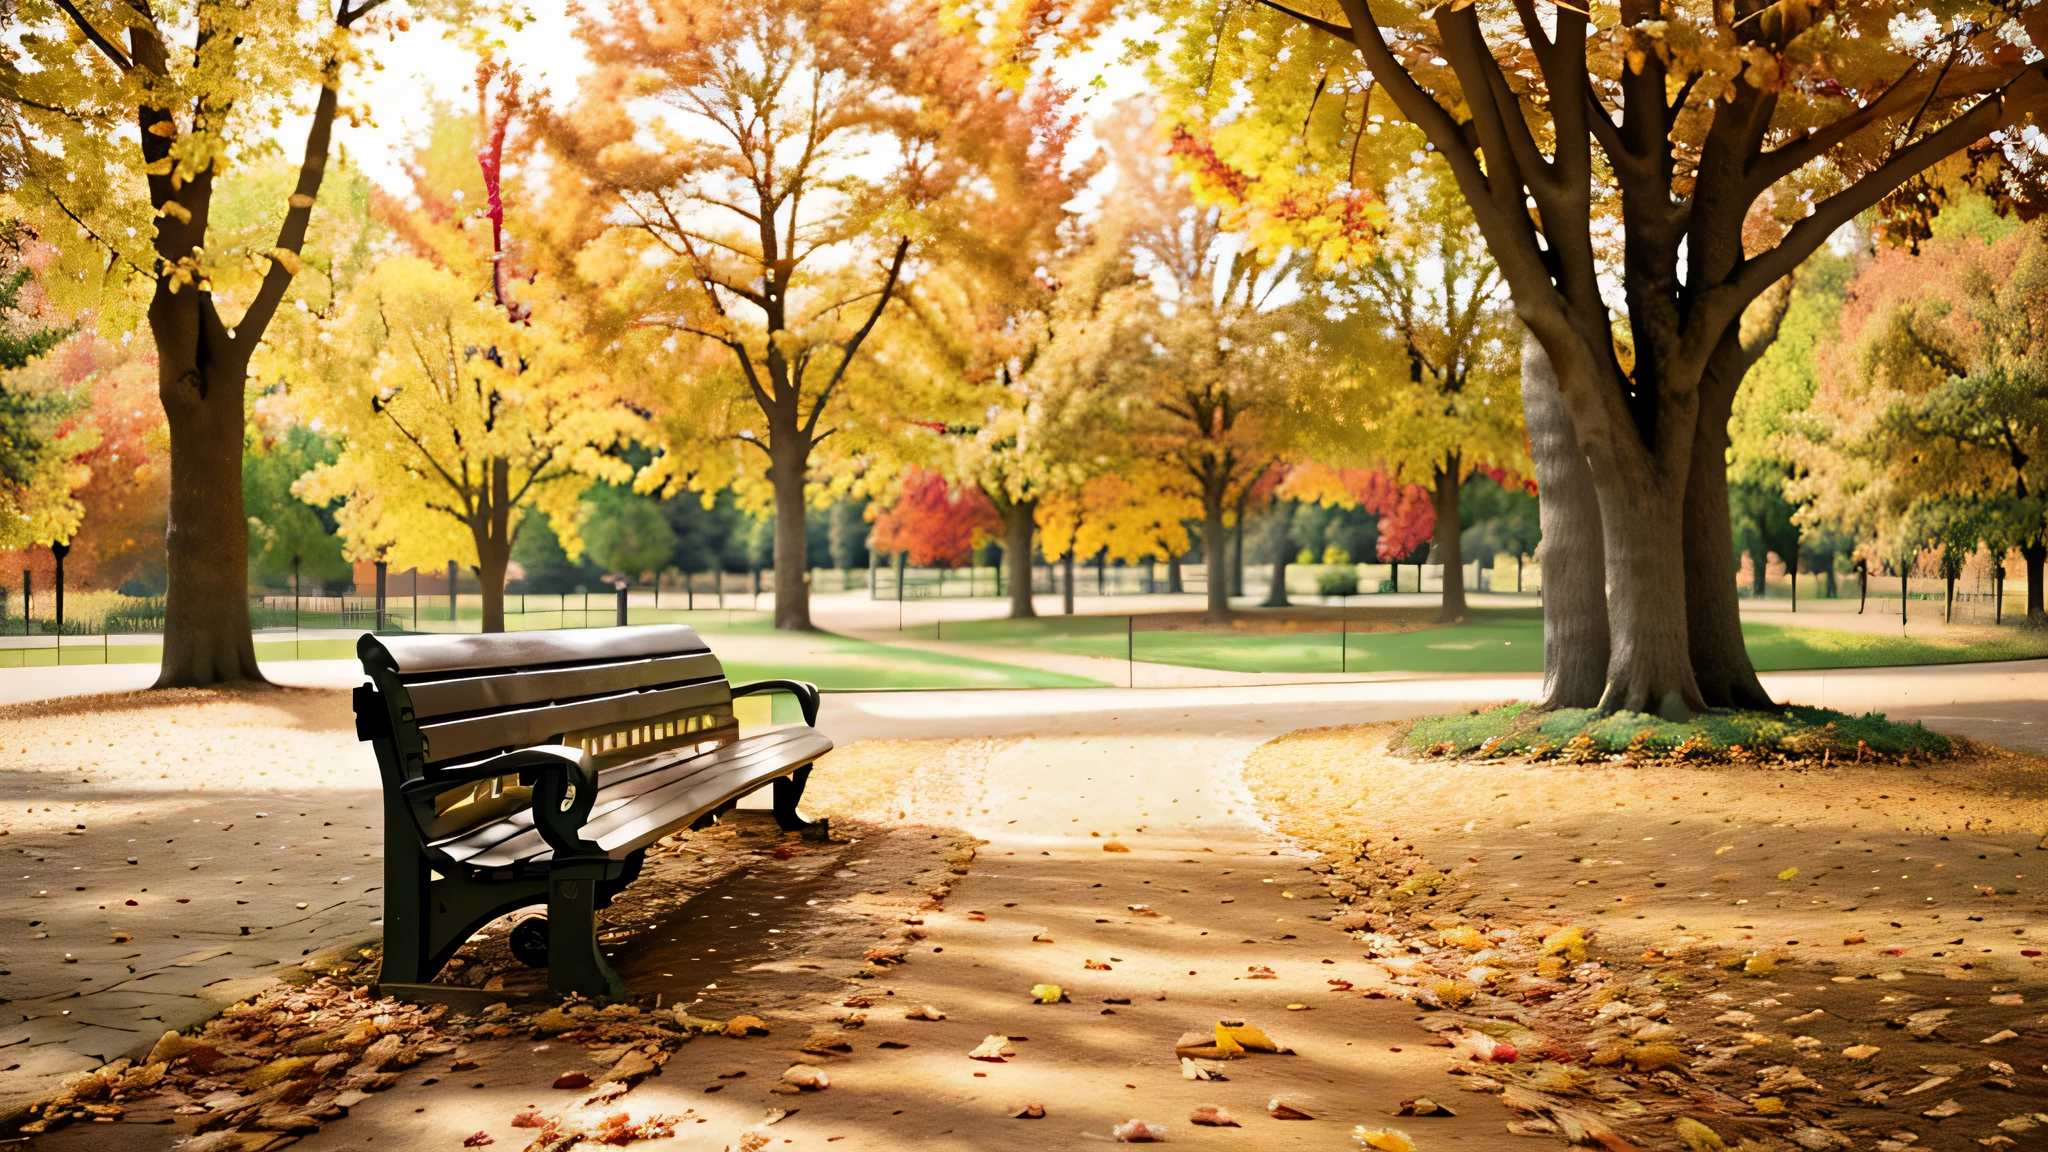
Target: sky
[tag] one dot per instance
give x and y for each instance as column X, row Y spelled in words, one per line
column 425, row 66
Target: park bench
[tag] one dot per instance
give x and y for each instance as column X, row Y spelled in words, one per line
column 525, row 768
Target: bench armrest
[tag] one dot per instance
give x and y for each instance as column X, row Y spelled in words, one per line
column 806, row 694
column 529, row 763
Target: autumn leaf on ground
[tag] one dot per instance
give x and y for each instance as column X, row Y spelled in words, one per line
column 478, row 1140
column 1260, row 972
column 924, row 1012
column 1281, row 1108
column 806, row 1077
column 1114, row 846
column 1212, row 1116
column 1028, row 1111
column 1384, row 1139
column 994, row 1049
column 572, row 1080
column 1048, row 993
column 1095, row 966
column 1249, row 1037
column 1042, row 938
column 1788, row 873
column 1138, row 1132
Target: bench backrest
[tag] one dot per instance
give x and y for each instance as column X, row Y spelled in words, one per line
column 620, row 693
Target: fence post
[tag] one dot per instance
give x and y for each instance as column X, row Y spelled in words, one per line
column 383, row 572
column 621, row 586
column 28, row 598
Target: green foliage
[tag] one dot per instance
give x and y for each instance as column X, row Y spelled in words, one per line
column 545, row 564
column 1796, row 732
column 626, row 532
column 1497, row 519
column 281, row 526
column 1341, row 582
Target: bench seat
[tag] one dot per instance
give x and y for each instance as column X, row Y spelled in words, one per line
column 641, row 801
column 531, row 768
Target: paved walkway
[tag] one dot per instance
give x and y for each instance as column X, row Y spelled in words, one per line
column 174, row 856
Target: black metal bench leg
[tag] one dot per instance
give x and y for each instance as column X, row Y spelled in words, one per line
column 408, row 934
column 788, row 791
column 575, row 962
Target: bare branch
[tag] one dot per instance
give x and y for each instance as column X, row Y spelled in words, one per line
column 111, row 50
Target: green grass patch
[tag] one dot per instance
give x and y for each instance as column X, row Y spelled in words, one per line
column 1499, row 640
column 1793, row 732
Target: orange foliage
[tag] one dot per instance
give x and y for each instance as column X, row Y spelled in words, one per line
column 934, row 522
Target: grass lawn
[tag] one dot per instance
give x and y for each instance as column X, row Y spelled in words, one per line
column 1493, row 640
column 746, row 643
column 1795, row 731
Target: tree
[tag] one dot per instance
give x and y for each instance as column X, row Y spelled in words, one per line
column 198, row 87
column 1425, row 320
column 625, row 532
column 287, row 536
column 119, row 542
column 1005, row 318
column 1933, row 425
column 1691, row 153
column 754, row 175
column 934, row 523
column 464, row 399
column 1215, row 346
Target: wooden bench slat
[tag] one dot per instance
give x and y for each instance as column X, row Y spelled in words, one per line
column 522, row 728
column 626, row 818
column 430, row 655
column 513, row 689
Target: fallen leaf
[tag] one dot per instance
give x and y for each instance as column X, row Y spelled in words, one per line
column 1698, row 1137
column 1095, row 966
column 478, row 1140
column 1999, row 1037
column 1242, row 1036
column 742, row 1026
column 1042, row 938
column 1384, row 1139
column 572, row 1080
column 1281, row 1109
column 994, row 1049
column 529, row 1119
column 1137, row 1131
column 1028, row 1111
column 807, row 1077
column 1212, row 1116
column 1788, row 873
column 1943, row 1110
column 1117, row 846
column 1861, row 1051
column 924, row 1012
column 1424, row 1106
column 1048, row 993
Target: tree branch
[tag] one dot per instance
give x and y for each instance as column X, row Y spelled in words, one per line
column 291, row 236
column 852, row 345
column 108, row 47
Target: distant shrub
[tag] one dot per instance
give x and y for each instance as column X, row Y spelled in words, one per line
column 1340, row 582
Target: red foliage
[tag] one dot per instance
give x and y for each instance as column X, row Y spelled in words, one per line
column 934, row 522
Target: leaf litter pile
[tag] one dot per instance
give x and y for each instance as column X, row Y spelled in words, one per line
column 303, row 1052
column 1780, row 956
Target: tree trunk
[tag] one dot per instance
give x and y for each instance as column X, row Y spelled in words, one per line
column 493, row 541
column 206, row 615
column 1213, row 548
column 1649, row 667
column 1018, row 521
column 1237, row 546
column 1282, row 514
column 2034, row 554
column 1173, row 579
column 1713, row 612
column 492, row 558
column 1759, row 570
column 787, row 456
column 1067, row 582
column 1448, row 548
column 1575, row 645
